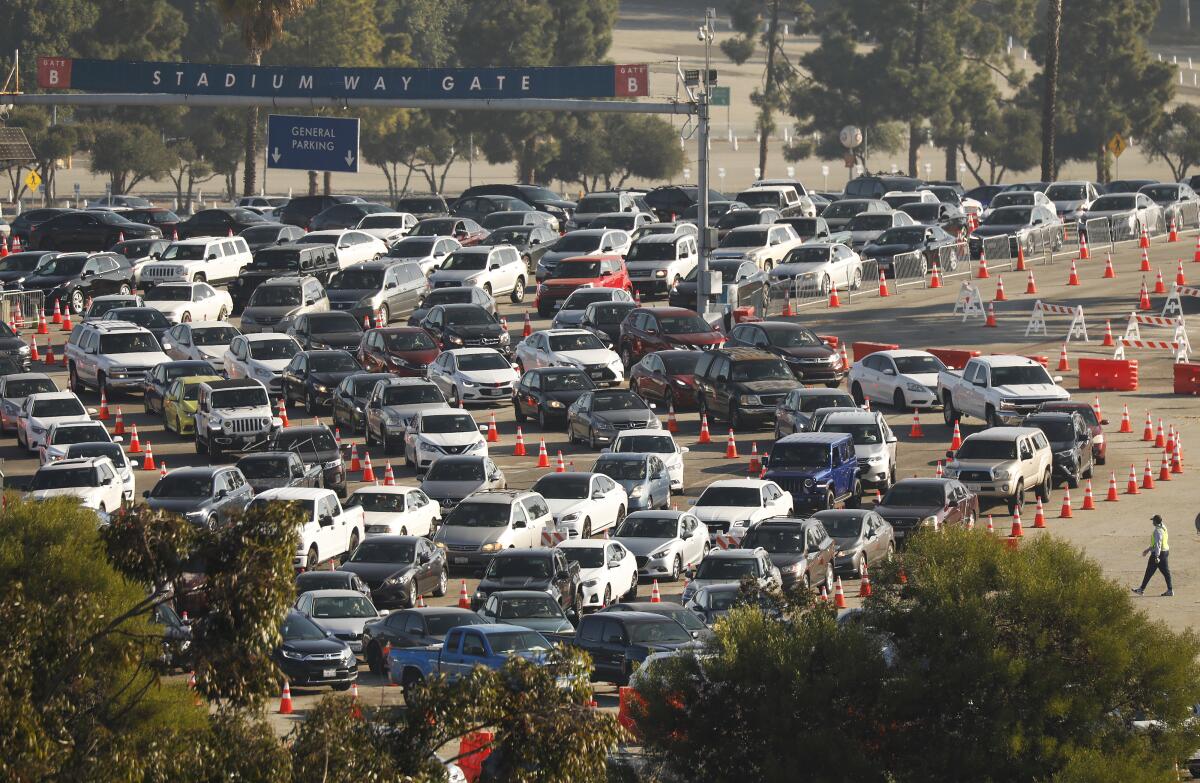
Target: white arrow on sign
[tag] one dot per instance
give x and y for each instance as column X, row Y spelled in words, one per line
column 275, row 155
column 349, row 158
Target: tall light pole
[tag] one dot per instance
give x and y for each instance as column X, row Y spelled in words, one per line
column 705, row 35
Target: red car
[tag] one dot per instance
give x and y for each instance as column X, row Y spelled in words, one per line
column 583, row 272
column 649, row 329
column 465, row 230
column 1088, row 414
column 400, row 350
column 668, row 377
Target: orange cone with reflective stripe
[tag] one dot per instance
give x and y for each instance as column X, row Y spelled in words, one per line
column 1064, row 363
column 864, row 584
column 103, row 414
column 833, row 297
column 672, row 423
column 1148, row 476
column 519, row 449
column 655, row 595
column 1039, row 517
column 389, row 478
column 1171, row 437
column 1109, row 272
column 282, row 409
column 990, row 323
column 1172, row 233
column 1073, row 278
column 493, row 435
column 883, row 290
column 755, row 465
column 1065, row 513
column 1020, row 267
column 1177, row 457
column 1144, row 241
column 57, row 317
column 148, row 462
column 1031, row 285
column 1144, row 298
column 1180, row 278
column 935, row 281
column 49, row 354
column 355, row 464
column 705, row 437
column 34, row 356
column 1196, row 256
column 839, row 595
column 285, row 700
column 368, row 471
column 1112, row 488
column 66, row 324
column 1089, row 500
column 1145, row 265
column 1160, row 440
column 135, row 444
column 528, row 328
column 1109, row 342
column 543, row 455
column 1000, row 295
column 1084, row 255
column 162, row 471
column 1126, row 424
column 982, row 272
column 1131, row 486
column 1017, row 531
column 119, row 423
column 991, row 527
column 1148, row 431
column 464, row 600
column 561, row 466
column 42, row 327
column 956, row 439
column 1164, row 470
column 1160, row 285
column 731, row 446
column 915, row 431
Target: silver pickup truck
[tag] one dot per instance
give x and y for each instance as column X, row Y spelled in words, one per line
column 1000, row 390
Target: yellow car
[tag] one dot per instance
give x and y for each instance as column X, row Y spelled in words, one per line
column 180, row 402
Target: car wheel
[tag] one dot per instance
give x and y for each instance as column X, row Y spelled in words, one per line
column 200, row 448
column 735, row 418
column 125, row 290
column 991, row 417
column 312, row 562
column 587, row 528
column 73, row 381
column 829, row 577
column 949, row 415
column 607, row 596
column 898, row 401
column 199, row 277
column 1042, row 491
column 487, row 288
column 633, row 588
column 211, row 521
column 857, row 393
column 410, row 682
column 621, row 514
column 592, row 442
column 456, row 399
column 310, row 404
column 385, row 315
column 77, row 301
column 412, row 593
column 440, row 590
column 186, row 318
column 223, row 313
column 855, row 499
column 518, row 293
column 830, row 501
column 676, row 569
column 374, row 658
column 1018, row 498
column 1073, row 481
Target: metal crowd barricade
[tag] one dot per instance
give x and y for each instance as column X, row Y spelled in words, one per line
column 1038, row 244
column 1187, row 215
column 784, row 295
column 1120, row 228
column 909, row 269
column 999, row 251
column 21, row 308
column 954, row 259
column 1099, row 233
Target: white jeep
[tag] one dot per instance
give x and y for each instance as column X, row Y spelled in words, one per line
column 233, row 416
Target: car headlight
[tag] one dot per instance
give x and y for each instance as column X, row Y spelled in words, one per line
column 465, row 382
column 455, row 339
column 749, row 399
column 929, row 522
column 23, row 350
column 574, row 515
column 637, row 491
column 659, row 554
column 37, row 430
column 999, row 473
column 554, row 404
column 591, row 583
column 602, row 424
column 295, row 656
column 440, row 545
column 492, row 547
column 504, row 338
column 1007, row 405
column 1065, row 455
column 395, row 581
column 321, row 388
column 479, row 445
column 348, row 656
column 660, row 273
column 914, row 387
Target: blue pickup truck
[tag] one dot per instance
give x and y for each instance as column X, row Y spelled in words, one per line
column 465, row 648
column 819, row 469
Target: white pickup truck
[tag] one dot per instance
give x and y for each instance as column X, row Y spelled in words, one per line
column 328, row 530
column 766, row 246
column 1001, row 390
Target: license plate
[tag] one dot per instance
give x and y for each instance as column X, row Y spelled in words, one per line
column 493, row 392
column 461, row 560
column 900, row 534
column 329, row 674
column 596, row 375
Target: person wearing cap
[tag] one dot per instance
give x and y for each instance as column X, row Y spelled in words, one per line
column 1159, row 550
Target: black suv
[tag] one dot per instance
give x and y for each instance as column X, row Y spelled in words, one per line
column 1071, row 441
column 317, row 448
column 801, row 549
column 742, row 385
column 302, row 209
column 225, row 221
column 73, row 278
column 423, row 206
column 273, row 261
column 539, row 197
column 811, row 359
column 465, row 326
column 547, row 570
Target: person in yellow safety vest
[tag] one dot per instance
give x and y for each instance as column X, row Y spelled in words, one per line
column 1159, row 550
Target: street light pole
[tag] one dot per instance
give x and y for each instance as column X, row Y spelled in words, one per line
column 706, row 35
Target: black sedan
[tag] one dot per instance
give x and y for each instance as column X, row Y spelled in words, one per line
column 158, row 380
column 15, row 267
column 93, row 230
column 399, row 569
column 310, row 656
column 531, row 242
column 329, row 580
column 670, row 201
column 603, row 319
column 749, row 278
column 348, row 215
column 316, row 446
column 948, row 217
column 926, row 240
column 348, row 401
column 319, row 331
column 146, row 317
column 267, row 234
column 219, row 222
column 465, row 326
column 73, row 278
column 412, row 628
column 596, row 417
column 311, row 377
column 23, row 223
column 546, row 393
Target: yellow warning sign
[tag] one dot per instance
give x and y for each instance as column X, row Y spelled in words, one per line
column 1117, row 145
column 33, row 181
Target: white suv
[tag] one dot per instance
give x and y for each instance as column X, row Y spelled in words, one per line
column 233, row 415
column 93, row 480
column 658, row 261
column 202, row 259
column 1002, row 463
column 111, row 356
column 261, row 357
column 874, row 444
column 497, row 270
column 329, row 530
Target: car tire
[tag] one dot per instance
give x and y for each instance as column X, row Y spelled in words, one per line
column 1042, row 490
column 409, row 683
column 855, row 499
column 313, row 558
column 607, row 599
column 587, row 529
column 374, row 657
column 991, row 417
column 200, row 447
column 518, row 293
column 443, row 581
column 949, row 415
column 898, row 401
column 385, row 315
column 676, row 569
column 829, row 576
column 830, row 501
column 77, row 302
column 222, row 314
column 125, row 290
column 592, row 443
column 411, row 597
column 186, row 318
column 857, row 393
column 73, row 380
column 1018, row 498
column 633, row 588
column 211, row 522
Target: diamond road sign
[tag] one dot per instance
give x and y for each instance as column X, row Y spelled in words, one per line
column 312, row 143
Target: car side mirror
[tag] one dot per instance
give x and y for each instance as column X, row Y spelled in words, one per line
column 156, row 256
column 598, row 495
column 389, row 284
column 309, row 302
column 889, row 371
column 211, row 257
column 1104, row 422
column 326, row 520
column 1057, row 379
column 765, row 459
column 949, row 454
column 166, row 346
column 614, row 563
column 518, row 524
column 85, row 273
column 384, row 612
column 222, row 494
column 494, row 267
column 145, row 493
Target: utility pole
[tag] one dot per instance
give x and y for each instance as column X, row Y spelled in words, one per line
column 706, row 35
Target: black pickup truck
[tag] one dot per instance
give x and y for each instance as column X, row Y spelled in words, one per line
column 547, row 570
column 271, row 469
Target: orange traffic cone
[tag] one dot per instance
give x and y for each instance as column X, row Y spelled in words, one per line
column 935, row 281
column 1145, row 265
column 755, row 466
column 1112, row 488
column 864, row 584
column 1039, row 517
column 1196, row 255
column 283, row 419
column 991, row 527
column 1109, row 271
column 1164, row 469
column 355, row 709
column 162, row 471
column 34, row 356
column 1160, row 285
column 845, row 357
column 135, row 445
column 528, row 328
column 1073, row 278
column 389, row 478
column 731, row 446
column 1177, row 457
column 57, row 317
column 103, row 413
column 1160, row 440
column 915, row 431
column 705, row 437
column 883, row 291
column 672, row 423
column 464, row 600
column 1017, row 531
column 1144, row 298
column 1031, row 285
column 1126, row 424
column 990, row 323
column 970, row 523
column 1084, row 255
column 839, row 595
column 355, row 464
column 285, row 700
column 1148, row 475
column 49, row 354
column 561, row 466
column 1172, row 232
column 148, row 462
column 787, row 303
column 655, row 594
column 1131, row 486
column 421, row 601
column 982, row 272
column 1180, row 278
column 938, row 472
column 119, row 424
column 1020, row 267
column 833, row 297
column 956, row 439
column 66, row 324
column 1148, row 430
column 1065, row 513
column 1000, row 295
column 1089, row 500
column 368, row 470
column 1109, row 342
column 1064, row 364
column 543, row 455
column 1171, row 438
column 823, row 596
column 1096, row 408
column 493, row 435
column 1144, row 241
column 519, row 449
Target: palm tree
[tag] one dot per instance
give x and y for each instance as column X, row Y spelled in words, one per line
column 261, row 22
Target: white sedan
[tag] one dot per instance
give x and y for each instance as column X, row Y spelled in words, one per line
column 204, row 341
column 902, row 379
column 660, row 443
column 13, row 391
column 390, row 227
column 353, row 246
column 185, row 302
column 571, row 348
column 583, row 504
column 396, row 511
column 473, row 375
column 819, row 266
column 729, row 507
column 666, row 543
column 60, row 437
column 39, row 412
column 607, row 570
column 432, row 433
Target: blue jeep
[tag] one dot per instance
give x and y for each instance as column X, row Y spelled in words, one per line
column 819, row 469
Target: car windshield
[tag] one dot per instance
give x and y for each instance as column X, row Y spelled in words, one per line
column 922, row 213
column 844, row 209
column 323, row 580
column 1113, row 203
column 522, row 608
column 513, row 642
column 140, row 315
column 101, row 307
column 666, row 631
column 503, row 235
column 243, row 397
column 261, row 234
column 577, row 269
column 455, row 470
column 680, row 362
column 535, row 567
column 1056, row 431
column 727, row 569
column 458, row 422
column 800, row 455
column 563, row 487
column 903, row 235
column 64, row 478
column 577, row 243
column 265, row 468
column 378, row 501
column 273, row 349
column 214, row 335
column 20, row 262
column 841, row 524
column 304, row 441
column 89, row 434
column 730, row 496
column 651, row 251
column 275, row 296
column 618, row 401
column 594, row 205
column 862, row 434
column 986, row 449
column 468, row 514
column 276, row 259
column 794, row 338
column 326, row 323
column 128, row 342
column 870, row 221
column 343, row 606
column 186, row 252
column 609, row 314
column 581, row 299
column 804, row 227
column 382, row 221
column 645, row 444
column 808, row 255
column 58, row 406
column 776, row 540
column 420, row 205
column 336, row 361
column 384, row 552
column 191, row 391
column 1015, row 198
column 760, row 197
column 721, row 600
column 575, row 342
column 16, row 389
column 566, row 381
column 360, row 385
column 622, row 469
column 65, row 266
column 417, row 340
column 1009, row 216
column 412, row 394
column 648, row 527
column 185, row 485
column 683, row 324
column 483, row 361
column 170, row 293
column 94, row 449
column 357, row 280
column 922, row 495
column 918, row 365
column 298, row 628
column 740, row 217
column 745, row 238
column 1020, row 375
column 761, row 370
column 412, row 247
column 455, row 295
column 465, row 260
column 812, row 403
column 440, row 624
column 469, row 316
column 1066, row 192
column 1161, row 193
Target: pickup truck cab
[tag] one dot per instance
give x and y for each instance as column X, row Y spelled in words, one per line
column 765, row 245
column 818, row 469
column 465, row 647
column 327, row 529
column 1001, row 390
column 619, row 642
column 1003, row 463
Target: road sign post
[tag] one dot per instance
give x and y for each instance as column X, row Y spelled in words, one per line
column 312, row 143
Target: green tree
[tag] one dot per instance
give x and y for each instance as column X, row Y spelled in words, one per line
column 983, row 663
column 607, row 150
column 762, row 22
column 1003, row 138
column 1175, row 140
column 128, row 153
column 50, row 143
